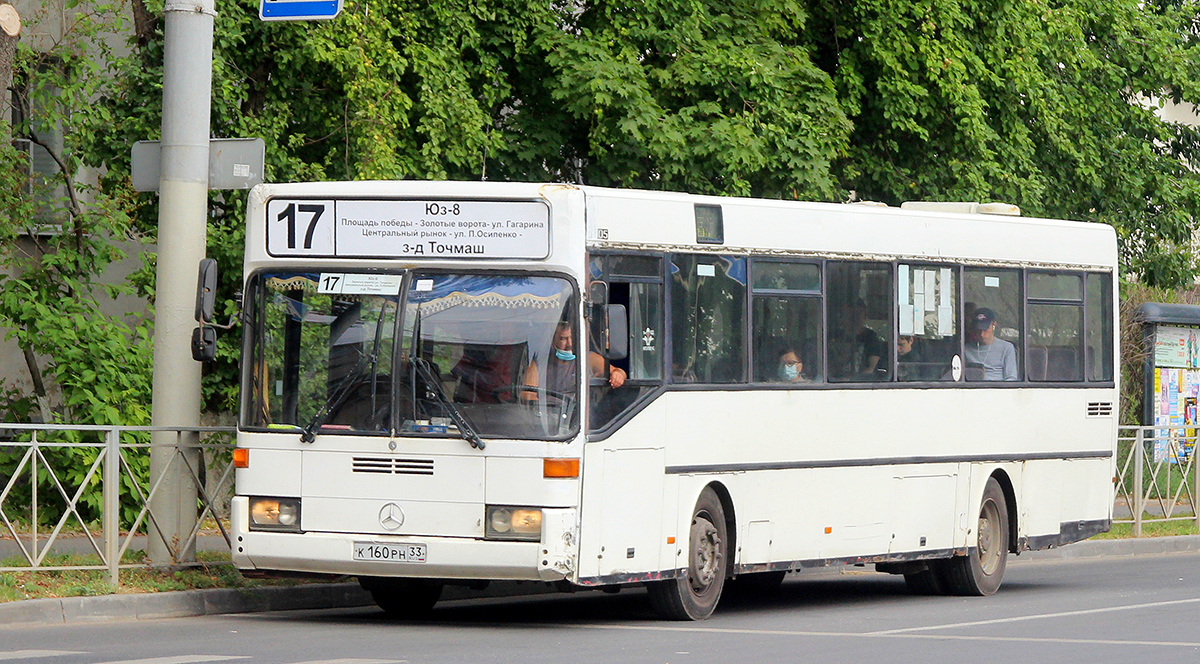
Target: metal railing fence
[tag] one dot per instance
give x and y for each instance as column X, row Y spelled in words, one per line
column 1157, row 481
column 74, row 462
column 1157, row 475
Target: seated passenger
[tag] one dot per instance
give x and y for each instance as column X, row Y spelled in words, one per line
column 791, row 367
column 483, row 370
column 911, row 361
column 857, row 351
column 997, row 358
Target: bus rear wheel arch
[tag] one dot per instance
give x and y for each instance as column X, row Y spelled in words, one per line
column 980, row 572
column 694, row 594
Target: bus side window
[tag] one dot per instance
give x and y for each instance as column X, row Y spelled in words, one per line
column 1099, row 350
column 642, row 369
column 927, row 322
column 708, row 318
column 1056, row 325
column 994, row 294
column 860, row 321
column 786, row 315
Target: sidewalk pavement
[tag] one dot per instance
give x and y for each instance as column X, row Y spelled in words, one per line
column 179, row 604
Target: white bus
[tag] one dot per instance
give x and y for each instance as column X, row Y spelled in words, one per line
column 451, row 382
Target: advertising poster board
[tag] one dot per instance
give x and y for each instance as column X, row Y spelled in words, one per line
column 1176, row 390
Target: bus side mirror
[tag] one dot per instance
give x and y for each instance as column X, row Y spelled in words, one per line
column 206, row 291
column 617, row 347
column 204, row 344
column 204, row 338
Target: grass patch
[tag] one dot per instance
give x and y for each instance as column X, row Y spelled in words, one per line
column 214, row 570
column 1152, row 529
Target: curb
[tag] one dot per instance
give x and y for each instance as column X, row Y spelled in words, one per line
column 1118, row 548
column 185, row 603
column 214, row 601
column 178, row 604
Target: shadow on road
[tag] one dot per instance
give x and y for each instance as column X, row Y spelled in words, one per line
column 817, row 591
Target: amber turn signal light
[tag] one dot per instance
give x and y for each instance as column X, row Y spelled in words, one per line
column 560, row 467
column 241, row 457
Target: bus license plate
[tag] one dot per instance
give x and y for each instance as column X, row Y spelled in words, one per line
column 389, row 553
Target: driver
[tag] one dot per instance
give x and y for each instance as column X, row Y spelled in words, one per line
column 560, row 368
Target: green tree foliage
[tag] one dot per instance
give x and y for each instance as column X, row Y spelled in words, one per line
column 58, row 236
column 391, row 89
column 696, row 95
column 1046, row 104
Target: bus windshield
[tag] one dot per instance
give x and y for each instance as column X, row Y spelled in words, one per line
column 472, row 355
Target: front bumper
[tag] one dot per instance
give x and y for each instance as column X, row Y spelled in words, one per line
column 551, row 559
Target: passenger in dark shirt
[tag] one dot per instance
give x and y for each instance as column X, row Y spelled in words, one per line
column 560, row 367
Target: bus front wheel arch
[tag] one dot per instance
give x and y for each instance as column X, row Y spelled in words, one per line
column 407, row 599
column 693, row 595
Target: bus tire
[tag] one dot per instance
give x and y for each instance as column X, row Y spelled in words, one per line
column 407, row 599
column 981, row 570
column 925, row 582
column 693, row 595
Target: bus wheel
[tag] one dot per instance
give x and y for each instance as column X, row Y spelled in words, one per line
column 407, row 599
column 694, row 594
column 925, row 582
column 981, row 570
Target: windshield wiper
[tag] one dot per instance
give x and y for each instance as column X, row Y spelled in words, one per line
column 309, row 433
column 435, row 386
column 421, row 366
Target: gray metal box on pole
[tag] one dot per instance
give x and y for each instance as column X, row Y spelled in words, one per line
column 233, row 163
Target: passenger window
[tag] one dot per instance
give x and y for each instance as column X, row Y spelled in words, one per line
column 860, row 315
column 635, row 266
column 1099, row 351
column 1055, row 336
column 927, row 322
column 1043, row 286
column 787, row 322
column 639, row 374
column 645, row 329
column 992, row 305
column 708, row 318
column 775, row 277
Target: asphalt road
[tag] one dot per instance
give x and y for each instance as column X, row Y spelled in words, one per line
column 1118, row 610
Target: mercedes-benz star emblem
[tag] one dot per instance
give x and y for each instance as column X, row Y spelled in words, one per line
column 391, row 516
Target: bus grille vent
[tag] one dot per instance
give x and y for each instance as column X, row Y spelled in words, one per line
column 1099, row 409
column 389, row 466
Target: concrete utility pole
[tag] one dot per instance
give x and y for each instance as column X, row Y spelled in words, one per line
column 182, row 220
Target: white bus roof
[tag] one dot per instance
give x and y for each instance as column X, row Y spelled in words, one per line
column 661, row 220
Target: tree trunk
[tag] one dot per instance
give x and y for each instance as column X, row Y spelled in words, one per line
column 10, row 31
column 144, row 24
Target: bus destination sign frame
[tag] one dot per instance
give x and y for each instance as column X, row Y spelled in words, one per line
column 428, row 228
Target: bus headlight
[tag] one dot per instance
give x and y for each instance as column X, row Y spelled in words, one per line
column 279, row 514
column 513, row 523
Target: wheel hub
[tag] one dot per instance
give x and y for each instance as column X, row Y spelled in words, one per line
column 705, row 555
column 989, row 536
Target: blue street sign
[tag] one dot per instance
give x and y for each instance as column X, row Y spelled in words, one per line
column 298, row 10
